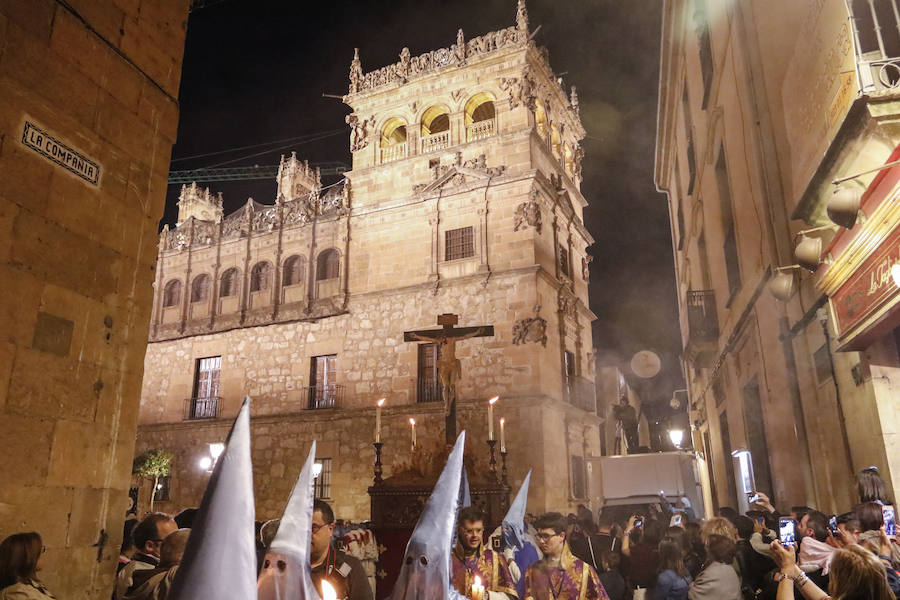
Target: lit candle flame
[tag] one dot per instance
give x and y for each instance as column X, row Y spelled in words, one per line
column 477, row 582
column 328, row 592
column 381, row 402
column 502, row 420
column 412, row 421
column 493, row 400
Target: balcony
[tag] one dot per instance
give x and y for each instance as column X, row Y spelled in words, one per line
column 393, row 152
column 202, row 408
column 703, row 327
column 323, row 396
column 480, row 130
column 437, row 141
column 581, row 393
column 429, row 390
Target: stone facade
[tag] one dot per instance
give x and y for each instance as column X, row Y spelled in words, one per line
column 87, row 120
column 464, row 198
column 757, row 117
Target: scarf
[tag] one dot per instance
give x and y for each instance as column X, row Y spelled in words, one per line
column 815, row 553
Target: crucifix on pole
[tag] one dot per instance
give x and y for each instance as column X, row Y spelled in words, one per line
column 449, row 368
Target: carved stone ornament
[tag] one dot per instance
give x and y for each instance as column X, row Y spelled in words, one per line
column 459, row 49
column 457, row 94
column 585, row 262
column 528, row 214
column 530, row 330
column 520, row 90
column 567, row 304
column 356, row 73
column 359, row 131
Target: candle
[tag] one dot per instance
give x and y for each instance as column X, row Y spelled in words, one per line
column 477, row 589
column 491, row 416
column 412, row 424
column 378, row 406
column 502, row 435
column 328, row 592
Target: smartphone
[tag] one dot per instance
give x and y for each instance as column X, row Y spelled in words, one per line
column 676, row 520
column 639, row 522
column 832, row 526
column 787, row 531
column 890, row 522
column 753, row 497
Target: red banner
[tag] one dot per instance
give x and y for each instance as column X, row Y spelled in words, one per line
column 870, row 288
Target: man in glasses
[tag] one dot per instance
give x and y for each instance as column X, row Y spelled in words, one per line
column 344, row 572
column 148, row 538
column 471, row 559
column 560, row 576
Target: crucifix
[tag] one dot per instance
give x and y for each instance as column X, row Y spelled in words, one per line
column 449, row 368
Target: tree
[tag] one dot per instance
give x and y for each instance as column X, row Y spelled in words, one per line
column 152, row 464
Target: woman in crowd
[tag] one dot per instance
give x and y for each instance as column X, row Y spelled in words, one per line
column 871, row 487
column 640, row 546
column 873, row 539
column 694, row 550
column 718, row 580
column 674, row 579
column 20, row 560
column 856, row 574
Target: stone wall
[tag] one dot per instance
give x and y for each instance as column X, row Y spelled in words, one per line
column 100, row 79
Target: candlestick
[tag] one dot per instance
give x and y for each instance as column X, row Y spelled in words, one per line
column 378, row 468
column 491, row 416
column 477, row 589
column 502, row 435
column 412, row 424
column 378, row 406
column 492, row 444
column 503, row 479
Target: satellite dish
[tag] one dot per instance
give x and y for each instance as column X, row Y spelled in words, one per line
column 645, row 364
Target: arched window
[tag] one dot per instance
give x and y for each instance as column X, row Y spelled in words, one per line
column 328, row 265
column 435, row 120
column 480, row 114
column 293, row 271
column 172, row 293
column 229, row 285
column 569, row 157
column 393, row 139
column 200, row 288
column 540, row 119
column 260, row 277
column 554, row 142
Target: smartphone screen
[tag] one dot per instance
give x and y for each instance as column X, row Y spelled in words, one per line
column 787, row 532
column 753, row 497
column 890, row 522
column 638, row 522
column 676, row 520
column 832, row 525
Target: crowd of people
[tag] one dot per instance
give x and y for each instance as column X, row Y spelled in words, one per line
column 666, row 554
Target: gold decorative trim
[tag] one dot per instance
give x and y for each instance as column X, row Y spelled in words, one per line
column 880, row 223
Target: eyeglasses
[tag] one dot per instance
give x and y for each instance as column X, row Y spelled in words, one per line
column 544, row 537
column 317, row 526
column 43, row 549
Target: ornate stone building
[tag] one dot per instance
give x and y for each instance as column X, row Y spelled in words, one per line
column 463, row 198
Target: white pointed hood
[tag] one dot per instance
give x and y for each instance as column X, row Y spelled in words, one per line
column 514, row 522
column 425, row 573
column 286, row 569
column 220, row 558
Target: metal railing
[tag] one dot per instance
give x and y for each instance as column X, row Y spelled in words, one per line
column 429, row 390
column 323, row 396
column 480, row 130
column 393, row 152
column 703, row 321
column 202, row 408
column 436, row 141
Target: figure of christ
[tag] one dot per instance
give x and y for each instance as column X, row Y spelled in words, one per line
column 449, row 367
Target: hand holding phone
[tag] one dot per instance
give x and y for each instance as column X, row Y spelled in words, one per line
column 832, row 526
column 890, row 522
column 787, row 531
column 753, row 497
column 676, row 520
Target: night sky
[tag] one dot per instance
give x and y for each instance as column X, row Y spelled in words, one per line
column 255, row 70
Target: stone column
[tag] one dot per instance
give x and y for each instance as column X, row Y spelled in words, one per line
column 78, row 251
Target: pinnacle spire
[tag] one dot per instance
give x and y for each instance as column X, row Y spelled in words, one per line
column 522, row 17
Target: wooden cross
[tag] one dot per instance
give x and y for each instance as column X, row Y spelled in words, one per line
column 449, row 368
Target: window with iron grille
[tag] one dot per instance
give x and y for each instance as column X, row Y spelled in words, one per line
column 229, row 283
column 323, row 381
column 328, row 265
column 578, row 485
column 323, row 481
column 200, row 288
column 459, row 243
column 204, row 402
column 260, row 276
column 429, row 387
column 293, row 271
column 565, row 265
column 172, row 293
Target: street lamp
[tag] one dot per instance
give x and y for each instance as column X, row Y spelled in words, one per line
column 677, row 436
column 215, row 451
